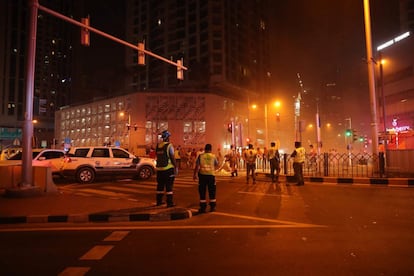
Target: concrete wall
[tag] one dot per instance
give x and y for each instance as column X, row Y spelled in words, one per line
column 11, row 177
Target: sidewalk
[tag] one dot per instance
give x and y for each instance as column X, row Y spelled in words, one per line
column 347, row 180
column 66, row 207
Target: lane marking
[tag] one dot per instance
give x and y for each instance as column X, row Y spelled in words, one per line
column 267, row 220
column 74, row 271
column 97, row 252
column 165, row 227
column 116, row 236
column 262, row 193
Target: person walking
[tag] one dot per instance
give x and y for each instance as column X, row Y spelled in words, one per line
column 274, row 160
column 231, row 156
column 166, row 169
column 299, row 155
column 205, row 167
column 177, row 155
column 250, row 157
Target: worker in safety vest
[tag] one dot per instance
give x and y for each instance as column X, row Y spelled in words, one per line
column 205, row 166
column 250, row 157
column 274, row 159
column 166, row 169
column 299, row 155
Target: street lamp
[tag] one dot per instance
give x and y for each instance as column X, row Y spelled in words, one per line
column 277, row 105
column 128, row 126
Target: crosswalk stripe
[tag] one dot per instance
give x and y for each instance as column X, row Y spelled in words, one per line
column 124, row 189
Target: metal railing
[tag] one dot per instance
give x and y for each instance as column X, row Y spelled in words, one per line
column 345, row 165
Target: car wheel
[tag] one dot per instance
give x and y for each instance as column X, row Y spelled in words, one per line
column 145, row 172
column 85, row 175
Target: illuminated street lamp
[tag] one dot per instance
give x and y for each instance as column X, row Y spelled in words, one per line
column 128, row 126
column 277, row 105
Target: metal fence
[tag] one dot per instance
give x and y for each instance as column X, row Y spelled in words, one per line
column 331, row 164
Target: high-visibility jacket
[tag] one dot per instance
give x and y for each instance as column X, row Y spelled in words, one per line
column 300, row 155
column 207, row 162
column 163, row 156
column 250, row 155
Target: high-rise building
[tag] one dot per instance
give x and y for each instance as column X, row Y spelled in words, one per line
column 53, row 79
column 407, row 15
column 225, row 45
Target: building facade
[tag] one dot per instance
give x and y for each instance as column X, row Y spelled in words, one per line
column 135, row 121
column 397, row 83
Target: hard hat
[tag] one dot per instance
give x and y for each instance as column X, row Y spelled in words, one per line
column 165, row 134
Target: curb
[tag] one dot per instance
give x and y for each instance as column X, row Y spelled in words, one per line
column 408, row 182
column 111, row 216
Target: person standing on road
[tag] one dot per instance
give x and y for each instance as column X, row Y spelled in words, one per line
column 231, row 157
column 299, row 155
column 166, row 169
column 274, row 160
column 250, row 156
column 177, row 155
column 205, row 166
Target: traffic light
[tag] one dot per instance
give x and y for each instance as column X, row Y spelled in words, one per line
column 354, row 135
column 85, row 36
column 135, row 127
column 230, row 127
column 180, row 71
column 278, row 117
column 348, row 132
column 141, row 54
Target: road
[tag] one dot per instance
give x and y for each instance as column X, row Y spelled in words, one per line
column 262, row 229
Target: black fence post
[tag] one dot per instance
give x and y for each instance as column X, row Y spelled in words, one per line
column 326, row 164
column 382, row 163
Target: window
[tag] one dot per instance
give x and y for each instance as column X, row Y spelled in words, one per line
column 52, row 154
column 118, row 153
column 100, row 153
column 81, row 152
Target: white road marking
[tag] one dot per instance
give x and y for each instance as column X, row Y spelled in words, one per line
column 262, row 193
column 74, row 271
column 97, row 252
column 116, row 236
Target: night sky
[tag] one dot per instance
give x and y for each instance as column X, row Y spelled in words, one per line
column 323, row 40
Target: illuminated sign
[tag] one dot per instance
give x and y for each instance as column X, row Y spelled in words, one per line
column 399, row 129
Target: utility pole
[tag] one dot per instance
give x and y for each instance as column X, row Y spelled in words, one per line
column 371, row 82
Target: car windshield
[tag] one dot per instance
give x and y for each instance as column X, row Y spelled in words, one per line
column 18, row 156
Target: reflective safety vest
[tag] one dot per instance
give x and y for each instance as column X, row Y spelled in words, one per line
column 207, row 163
column 300, row 155
column 163, row 156
column 273, row 153
column 250, row 155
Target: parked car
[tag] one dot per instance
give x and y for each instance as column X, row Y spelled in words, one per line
column 9, row 152
column 86, row 163
column 41, row 157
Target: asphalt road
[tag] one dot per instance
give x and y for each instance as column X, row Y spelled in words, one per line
column 257, row 230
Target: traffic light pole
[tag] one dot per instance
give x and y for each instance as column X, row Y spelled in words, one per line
column 91, row 29
column 27, row 183
column 27, row 167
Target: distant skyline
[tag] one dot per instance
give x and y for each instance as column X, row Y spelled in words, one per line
column 325, row 40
